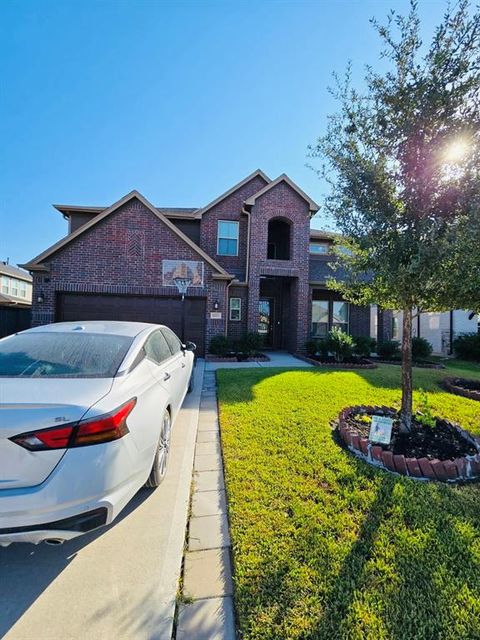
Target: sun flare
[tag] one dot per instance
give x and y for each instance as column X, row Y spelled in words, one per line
column 455, row 151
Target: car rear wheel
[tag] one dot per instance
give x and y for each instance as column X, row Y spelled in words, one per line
column 159, row 467
column 190, row 384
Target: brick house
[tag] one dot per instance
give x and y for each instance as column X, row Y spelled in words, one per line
column 250, row 257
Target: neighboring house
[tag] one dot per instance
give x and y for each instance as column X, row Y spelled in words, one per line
column 252, row 261
column 15, row 299
column 440, row 329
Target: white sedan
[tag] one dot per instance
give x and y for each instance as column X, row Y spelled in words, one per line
column 86, row 411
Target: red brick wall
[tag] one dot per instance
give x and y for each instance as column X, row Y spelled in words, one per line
column 282, row 201
column 230, row 209
column 237, row 328
column 99, row 262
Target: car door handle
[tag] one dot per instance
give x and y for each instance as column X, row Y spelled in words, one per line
column 167, row 376
column 183, row 365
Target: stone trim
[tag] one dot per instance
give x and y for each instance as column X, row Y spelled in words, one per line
column 458, row 470
column 449, row 385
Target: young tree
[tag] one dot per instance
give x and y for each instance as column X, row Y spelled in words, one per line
column 402, row 158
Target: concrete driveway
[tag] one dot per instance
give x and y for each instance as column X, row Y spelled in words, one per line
column 120, row 582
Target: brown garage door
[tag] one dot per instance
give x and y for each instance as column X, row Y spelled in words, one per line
column 167, row 311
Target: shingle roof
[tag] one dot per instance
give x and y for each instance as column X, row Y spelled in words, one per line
column 169, row 212
column 5, row 299
column 320, row 269
column 14, row 272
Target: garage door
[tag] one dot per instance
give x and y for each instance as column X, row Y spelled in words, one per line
column 168, row 311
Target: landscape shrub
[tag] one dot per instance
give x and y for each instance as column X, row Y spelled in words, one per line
column 421, row 348
column 250, row 343
column 364, row 345
column 389, row 349
column 467, row 346
column 317, row 347
column 341, row 344
column 220, row 345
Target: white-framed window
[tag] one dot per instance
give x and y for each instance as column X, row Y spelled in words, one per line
column 319, row 248
column 22, row 286
column 320, row 317
column 235, row 309
column 14, row 287
column 341, row 315
column 5, row 285
column 327, row 314
column 227, row 238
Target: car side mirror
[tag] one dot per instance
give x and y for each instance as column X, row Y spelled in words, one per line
column 189, row 346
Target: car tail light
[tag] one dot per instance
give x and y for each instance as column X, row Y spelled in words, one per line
column 106, row 428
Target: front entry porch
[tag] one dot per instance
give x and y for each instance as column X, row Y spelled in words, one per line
column 276, row 313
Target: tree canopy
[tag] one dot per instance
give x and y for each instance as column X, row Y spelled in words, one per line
column 402, row 159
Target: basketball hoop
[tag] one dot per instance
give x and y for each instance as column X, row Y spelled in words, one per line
column 182, row 285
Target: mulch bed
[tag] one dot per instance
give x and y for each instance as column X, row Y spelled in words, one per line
column 463, row 387
column 259, row 357
column 422, row 364
column 444, row 452
column 359, row 363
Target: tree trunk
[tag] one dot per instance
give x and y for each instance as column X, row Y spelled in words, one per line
column 406, row 410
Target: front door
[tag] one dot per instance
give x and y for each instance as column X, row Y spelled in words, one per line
column 265, row 320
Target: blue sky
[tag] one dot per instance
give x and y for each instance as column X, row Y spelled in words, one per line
column 179, row 100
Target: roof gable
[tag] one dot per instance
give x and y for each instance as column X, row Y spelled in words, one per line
column 37, row 263
column 199, row 213
column 313, row 206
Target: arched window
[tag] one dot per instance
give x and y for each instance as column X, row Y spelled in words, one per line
column 278, row 239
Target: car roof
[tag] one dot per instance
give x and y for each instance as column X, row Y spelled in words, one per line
column 107, row 327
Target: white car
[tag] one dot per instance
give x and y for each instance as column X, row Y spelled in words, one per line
column 86, row 411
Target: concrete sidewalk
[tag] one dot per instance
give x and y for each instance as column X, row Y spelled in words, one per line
column 277, row 359
column 207, row 579
column 119, row 582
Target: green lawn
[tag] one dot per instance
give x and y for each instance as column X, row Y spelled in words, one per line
column 326, row 546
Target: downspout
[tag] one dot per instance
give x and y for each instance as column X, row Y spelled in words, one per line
column 247, row 266
column 227, row 306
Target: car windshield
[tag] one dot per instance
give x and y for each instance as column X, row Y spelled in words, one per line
column 62, row 355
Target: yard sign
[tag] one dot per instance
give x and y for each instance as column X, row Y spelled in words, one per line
column 381, row 429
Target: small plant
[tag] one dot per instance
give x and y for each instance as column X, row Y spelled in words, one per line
column 341, row 344
column 425, row 415
column 389, row 349
column 364, row 345
column 220, row 345
column 363, row 417
column 421, row 348
column 467, row 346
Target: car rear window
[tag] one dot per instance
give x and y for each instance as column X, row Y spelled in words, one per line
column 62, row 355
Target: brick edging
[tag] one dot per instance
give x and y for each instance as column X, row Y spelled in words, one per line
column 449, row 385
column 415, row 363
column 460, row 469
column 337, row 365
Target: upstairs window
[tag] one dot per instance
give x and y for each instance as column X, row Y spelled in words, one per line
column 5, row 287
column 227, row 238
column 278, row 247
column 319, row 248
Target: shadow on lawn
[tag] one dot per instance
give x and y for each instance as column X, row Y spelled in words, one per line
column 238, row 386
column 414, row 598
